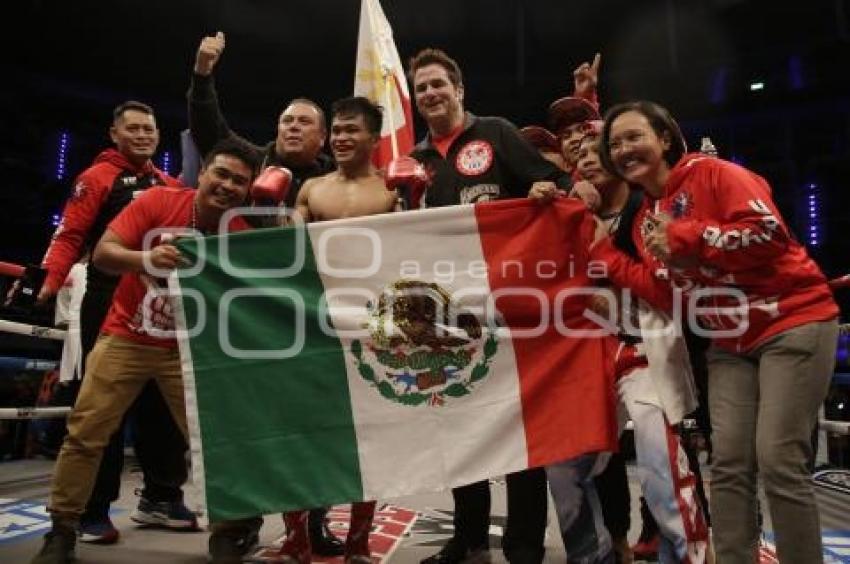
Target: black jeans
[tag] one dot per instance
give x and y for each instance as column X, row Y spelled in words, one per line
column 159, row 444
column 527, row 511
column 612, row 487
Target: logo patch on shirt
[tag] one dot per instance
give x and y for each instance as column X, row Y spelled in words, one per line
column 479, row 193
column 474, row 158
column 647, row 226
column 682, row 205
column 79, row 190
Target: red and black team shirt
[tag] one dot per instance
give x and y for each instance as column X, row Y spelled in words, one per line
column 100, row 193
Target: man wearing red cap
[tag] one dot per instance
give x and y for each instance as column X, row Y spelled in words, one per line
column 568, row 115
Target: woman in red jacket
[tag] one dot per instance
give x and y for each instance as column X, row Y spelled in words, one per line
column 710, row 237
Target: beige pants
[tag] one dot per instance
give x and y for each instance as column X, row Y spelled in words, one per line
column 116, row 371
column 764, row 405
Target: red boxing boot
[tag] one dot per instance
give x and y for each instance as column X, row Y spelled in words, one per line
column 296, row 545
column 357, row 542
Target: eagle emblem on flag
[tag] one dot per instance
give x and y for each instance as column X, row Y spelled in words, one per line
column 423, row 347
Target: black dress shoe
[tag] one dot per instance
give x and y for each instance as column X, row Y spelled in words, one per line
column 325, row 543
column 228, row 547
column 456, row 552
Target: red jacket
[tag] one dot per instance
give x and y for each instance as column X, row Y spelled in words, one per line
column 100, row 192
column 725, row 219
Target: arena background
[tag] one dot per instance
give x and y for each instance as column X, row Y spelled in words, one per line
column 67, row 64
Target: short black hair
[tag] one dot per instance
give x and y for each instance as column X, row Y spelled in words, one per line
column 119, row 110
column 432, row 56
column 659, row 119
column 322, row 120
column 234, row 148
column 360, row 106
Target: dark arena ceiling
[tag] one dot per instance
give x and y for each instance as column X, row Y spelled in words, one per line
column 66, row 64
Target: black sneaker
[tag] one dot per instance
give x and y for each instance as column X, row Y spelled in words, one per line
column 228, row 547
column 58, row 546
column 456, row 552
column 98, row 530
column 166, row 514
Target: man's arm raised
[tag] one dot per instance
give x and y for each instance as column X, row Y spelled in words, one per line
column 209, row 52
column 206, row 121
column 586, row 79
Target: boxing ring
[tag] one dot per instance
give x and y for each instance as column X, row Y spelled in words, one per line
column 25, row 364
column 26, row 481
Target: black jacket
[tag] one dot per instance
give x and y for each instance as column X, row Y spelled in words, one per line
column 208, row 127
column 489, row 160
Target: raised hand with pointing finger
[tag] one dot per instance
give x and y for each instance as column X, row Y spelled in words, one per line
column 586, row 77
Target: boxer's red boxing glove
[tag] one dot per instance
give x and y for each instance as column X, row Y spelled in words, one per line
column 408, row 176
column 405, row 171
column 271, row 186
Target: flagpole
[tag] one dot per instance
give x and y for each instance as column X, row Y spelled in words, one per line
column 387, row 74
column 388, row 80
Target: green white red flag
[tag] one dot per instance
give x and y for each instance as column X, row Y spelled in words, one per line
column 389, row 355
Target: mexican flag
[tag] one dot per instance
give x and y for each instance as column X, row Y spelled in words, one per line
column 382, row 356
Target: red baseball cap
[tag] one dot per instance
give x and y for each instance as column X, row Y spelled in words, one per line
column 540, row 137
column 592, row 127
column 569, row 110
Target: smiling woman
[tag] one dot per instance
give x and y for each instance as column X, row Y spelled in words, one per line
column 641, row 142
column 711, row 226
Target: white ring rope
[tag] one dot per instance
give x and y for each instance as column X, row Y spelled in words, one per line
column 833, row 426
column 33, row 412
column 18, row 413
column 32, row 330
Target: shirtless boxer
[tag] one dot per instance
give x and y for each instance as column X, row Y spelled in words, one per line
column 354, row 189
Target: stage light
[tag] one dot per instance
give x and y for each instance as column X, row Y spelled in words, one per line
column 165, row 162
column 61, row 155
column 814, row 214
column 756, row 86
